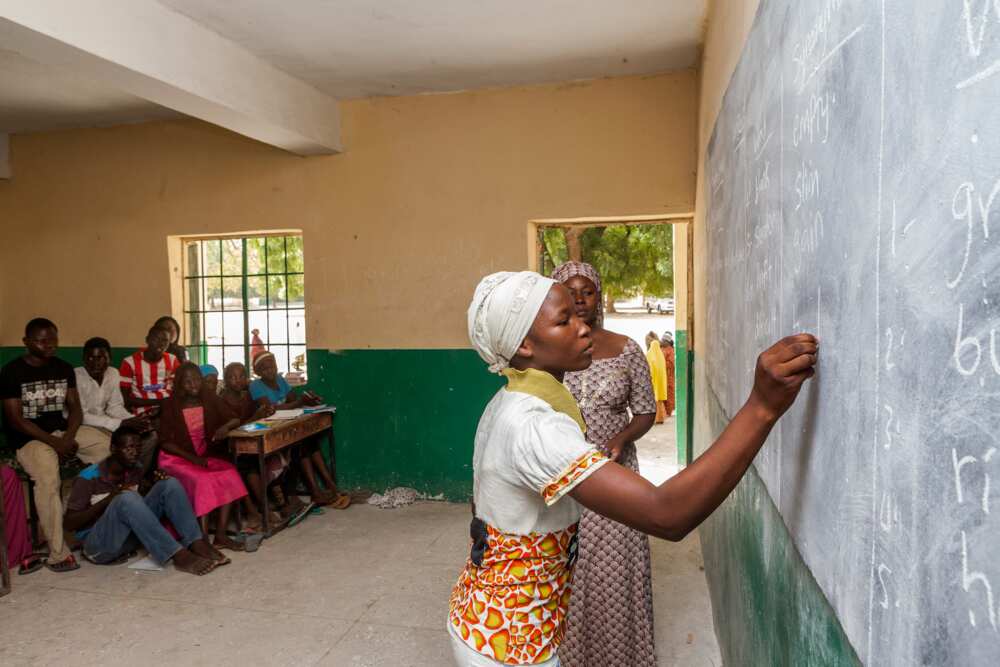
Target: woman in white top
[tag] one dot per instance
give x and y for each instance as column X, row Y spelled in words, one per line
column 533, row 469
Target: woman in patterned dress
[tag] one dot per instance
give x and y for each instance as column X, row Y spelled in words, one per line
column 610, row 621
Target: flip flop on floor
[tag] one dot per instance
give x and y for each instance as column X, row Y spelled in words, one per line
column 301, row 514
column 66, row 565
column 32, row 563
column 342, row 502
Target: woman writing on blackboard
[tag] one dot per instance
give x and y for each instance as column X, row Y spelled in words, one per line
column 510, row 602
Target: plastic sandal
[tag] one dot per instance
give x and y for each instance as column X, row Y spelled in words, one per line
column 67, row 565
column 251, row 541
column 32, row 563
column 301, row 514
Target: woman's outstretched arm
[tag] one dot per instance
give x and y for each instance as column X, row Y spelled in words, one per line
column 680, row 504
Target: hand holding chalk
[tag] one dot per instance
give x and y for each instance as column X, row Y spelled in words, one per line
column 781, row 370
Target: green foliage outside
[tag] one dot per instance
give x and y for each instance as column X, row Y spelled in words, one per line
column 632, row 259
column 269, row 259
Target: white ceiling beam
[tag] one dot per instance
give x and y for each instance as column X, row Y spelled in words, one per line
column 5, row 156
column 149, row 51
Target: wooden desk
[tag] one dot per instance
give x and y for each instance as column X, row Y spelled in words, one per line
column 278, row 436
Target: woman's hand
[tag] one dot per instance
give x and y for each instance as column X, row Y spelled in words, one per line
column 613, row 447
column 140, row 423
column 221, row 433
column 781, row 370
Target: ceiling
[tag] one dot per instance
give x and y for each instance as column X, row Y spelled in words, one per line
column 36, row 97
column 362, row 48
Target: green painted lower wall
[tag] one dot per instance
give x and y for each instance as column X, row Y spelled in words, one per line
column 683, row 364
column 405, row 417
column 768, row 608
column 73, row 355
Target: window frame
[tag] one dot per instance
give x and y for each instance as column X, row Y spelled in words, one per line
column 199, row 279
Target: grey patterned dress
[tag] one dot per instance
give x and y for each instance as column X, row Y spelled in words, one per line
column 610, row 622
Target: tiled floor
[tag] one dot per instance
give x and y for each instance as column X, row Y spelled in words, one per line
column 354, row 588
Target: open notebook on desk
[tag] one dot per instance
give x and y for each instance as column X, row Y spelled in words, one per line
column 298, row 412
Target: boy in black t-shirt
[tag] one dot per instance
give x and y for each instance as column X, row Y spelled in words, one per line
column 35, row 389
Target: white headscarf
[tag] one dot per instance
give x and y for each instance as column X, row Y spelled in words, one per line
column 502, row 310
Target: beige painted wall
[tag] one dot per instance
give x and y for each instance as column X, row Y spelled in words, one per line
column 433, row 192
column 729, row 23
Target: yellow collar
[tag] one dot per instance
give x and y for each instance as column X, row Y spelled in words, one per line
column 544, row 386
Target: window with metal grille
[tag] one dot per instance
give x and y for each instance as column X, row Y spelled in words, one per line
column 245, row 295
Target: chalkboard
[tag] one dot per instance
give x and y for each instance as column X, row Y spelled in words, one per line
column 853, row 179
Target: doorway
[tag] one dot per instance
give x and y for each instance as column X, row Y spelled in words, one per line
column 646, row 266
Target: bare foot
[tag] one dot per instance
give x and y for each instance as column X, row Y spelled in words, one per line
column 186, row 561
column 324, row 497
column 226, row 543
column 205, row 550
column 292, row 506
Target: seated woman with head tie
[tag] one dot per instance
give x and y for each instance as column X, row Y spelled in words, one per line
column 510, row 602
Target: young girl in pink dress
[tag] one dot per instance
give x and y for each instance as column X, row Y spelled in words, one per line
column 193, row 430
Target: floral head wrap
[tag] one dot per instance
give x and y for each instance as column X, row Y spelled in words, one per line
column 567, row 270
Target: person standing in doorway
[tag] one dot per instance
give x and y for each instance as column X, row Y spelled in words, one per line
column 667, row 347
column 658, row 375
column 610, row 622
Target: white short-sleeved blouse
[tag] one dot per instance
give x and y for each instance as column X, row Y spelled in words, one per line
column 511, row 605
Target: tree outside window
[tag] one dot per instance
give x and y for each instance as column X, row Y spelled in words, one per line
column 244, row 295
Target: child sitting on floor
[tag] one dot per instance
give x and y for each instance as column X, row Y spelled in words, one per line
column 193, row 421
column 272, row 387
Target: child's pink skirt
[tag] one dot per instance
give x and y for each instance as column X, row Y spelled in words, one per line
column 208, row 488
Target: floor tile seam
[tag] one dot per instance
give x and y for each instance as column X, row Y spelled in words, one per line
column 135, row 596
column 334, row 644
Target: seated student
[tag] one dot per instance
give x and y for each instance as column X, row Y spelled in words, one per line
column 194, row 420
column 107, row 511
column 210, row 377
column 173, row 330
column 271, row 386
column 236, row 395
column 147, row 377
column 101, row 399
column 36, row 389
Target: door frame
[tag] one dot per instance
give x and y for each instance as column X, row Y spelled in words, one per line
column 683, row 303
